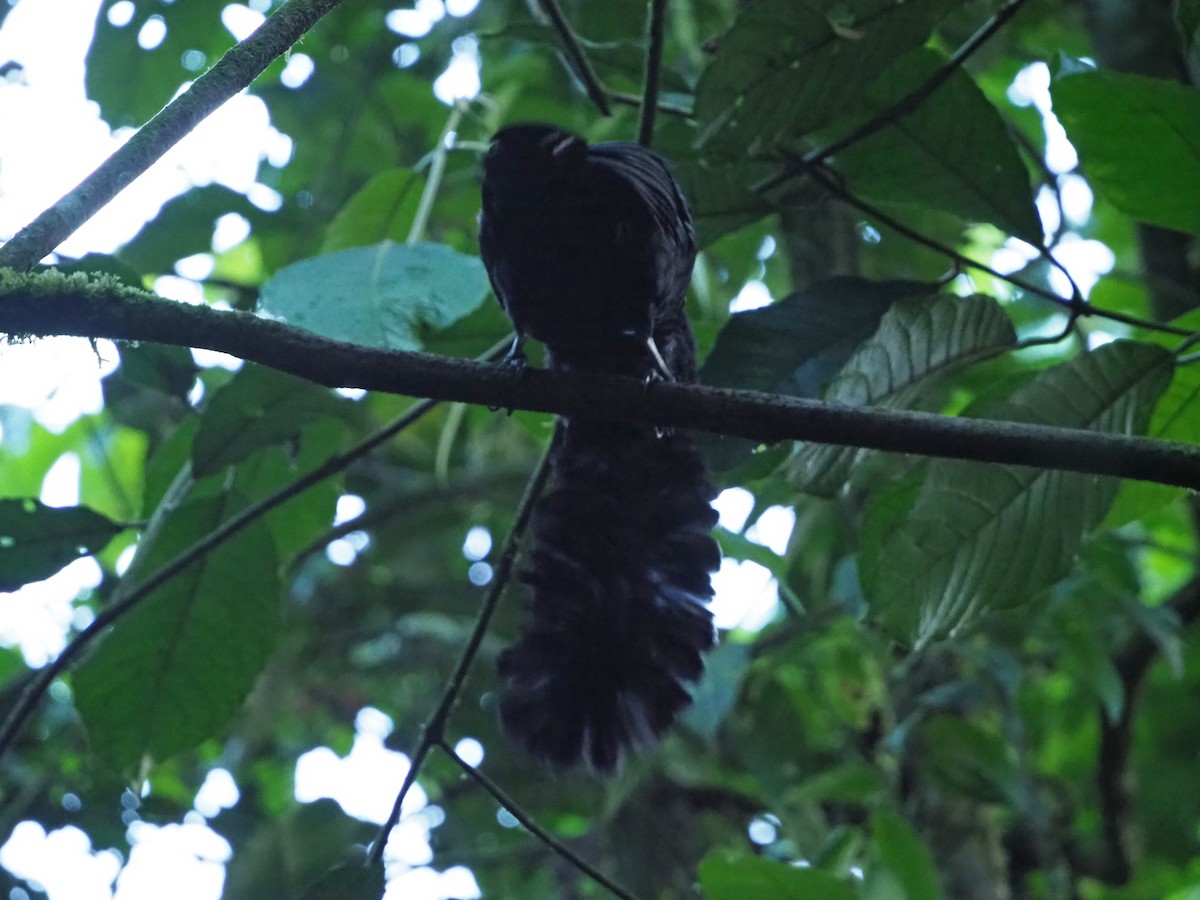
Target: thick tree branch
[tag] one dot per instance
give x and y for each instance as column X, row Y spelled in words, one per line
column 234, row 71
column 103, row 309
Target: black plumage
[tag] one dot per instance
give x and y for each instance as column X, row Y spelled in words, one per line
column 590, row 250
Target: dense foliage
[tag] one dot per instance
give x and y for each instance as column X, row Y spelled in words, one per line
column 980, row 680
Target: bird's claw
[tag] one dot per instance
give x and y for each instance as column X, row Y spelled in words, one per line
column 515, row 357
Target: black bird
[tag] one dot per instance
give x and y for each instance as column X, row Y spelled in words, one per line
column 590, row 250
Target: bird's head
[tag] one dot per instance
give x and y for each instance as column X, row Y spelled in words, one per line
column 524, row 159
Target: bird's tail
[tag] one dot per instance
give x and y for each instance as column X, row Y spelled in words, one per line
column 617, row 623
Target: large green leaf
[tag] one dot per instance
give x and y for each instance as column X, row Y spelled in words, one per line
column 714, row 697
column 919, row 342
column 795, row 345
column 1138, row 140
column 296, row 855
column 382, row 210
column 37, row 540
column 902, row 851
column 175, row 669
column 724, row 877
column 952, row 153
column 985, row 536
column 789, row 67
column 257, row 408
column 184, row 226
column 387, row 295
column 720, row 197
column 1176, row 418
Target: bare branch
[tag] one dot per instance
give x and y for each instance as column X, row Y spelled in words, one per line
column 533, row 827
column 650, row 84
column 232, row 72
column 580, row 64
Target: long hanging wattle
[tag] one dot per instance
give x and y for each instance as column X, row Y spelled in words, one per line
column 590, row 251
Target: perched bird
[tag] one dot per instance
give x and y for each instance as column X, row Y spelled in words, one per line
column 590, row 251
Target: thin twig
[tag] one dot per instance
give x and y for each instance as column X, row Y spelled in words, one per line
column 832, row 184
column 1049, row 179
column 580, row 64
column 621, row 98
column 1075, row 304
column 437, row 168
column 914, row 98
column 38, row 686
column 533, row 827
column 434, row 728
column 234, row 71
column 650, row 84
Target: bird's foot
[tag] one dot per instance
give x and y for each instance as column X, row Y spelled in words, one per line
column 514, row 360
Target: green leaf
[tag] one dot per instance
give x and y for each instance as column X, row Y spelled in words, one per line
column 387, row 295
column 1139, row 142
column 351, row 882
column 618, row 61
column 130, row 83
column 720, row 197
column 795, row 345
column 983, row 536
column 967, row 759
column 257, row 408
column 270, row 469
column 37, row 540
column 952, row 153
column 903, row 852
column 382, row 210
column 726, row 877
column 851, row 782
column 183, row 227
column 919, row 342
column 1176, row 418
column 300, row 848
column 175, row 669
column 714, row 697
column 158, row 367
column 787, row 68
